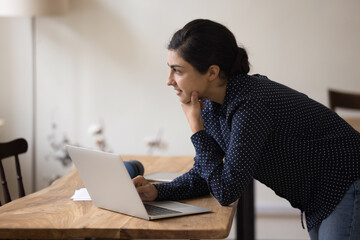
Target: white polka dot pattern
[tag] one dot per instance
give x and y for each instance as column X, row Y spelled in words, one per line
column 299, row 148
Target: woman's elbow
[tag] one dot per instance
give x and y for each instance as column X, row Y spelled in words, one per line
column 225, row 201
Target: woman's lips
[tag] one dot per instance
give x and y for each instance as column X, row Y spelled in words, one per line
column 178, row 92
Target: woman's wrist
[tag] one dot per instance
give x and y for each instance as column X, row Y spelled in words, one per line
column 196, row 129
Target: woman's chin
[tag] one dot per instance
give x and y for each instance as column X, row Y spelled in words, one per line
column 184, row 100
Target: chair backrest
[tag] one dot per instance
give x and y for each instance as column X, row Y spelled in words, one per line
column 12, row 149
column 344, row 100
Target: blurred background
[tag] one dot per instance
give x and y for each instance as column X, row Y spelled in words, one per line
column 101, row 71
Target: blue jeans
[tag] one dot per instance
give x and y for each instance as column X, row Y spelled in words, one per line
column 344, row 221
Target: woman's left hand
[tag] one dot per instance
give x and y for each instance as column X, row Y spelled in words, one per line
column 192, row 111
column 146, row 190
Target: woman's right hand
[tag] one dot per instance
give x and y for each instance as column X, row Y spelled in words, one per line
column 147, row 191
column 192, row 112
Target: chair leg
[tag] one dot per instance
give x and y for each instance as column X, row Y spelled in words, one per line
column 19, row 177
column 4, row 184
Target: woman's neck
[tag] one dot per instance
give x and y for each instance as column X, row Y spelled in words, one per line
column 217, row 92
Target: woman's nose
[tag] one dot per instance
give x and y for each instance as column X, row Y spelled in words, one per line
column 170, row 81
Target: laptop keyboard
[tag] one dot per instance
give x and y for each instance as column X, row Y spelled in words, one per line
column 156, row 210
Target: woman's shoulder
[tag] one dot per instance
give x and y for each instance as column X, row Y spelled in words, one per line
column 260, row 86
column 245, row 86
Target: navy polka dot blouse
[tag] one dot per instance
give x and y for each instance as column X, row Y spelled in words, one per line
column 299, row 148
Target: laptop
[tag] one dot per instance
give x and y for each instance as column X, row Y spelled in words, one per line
column 111, row 187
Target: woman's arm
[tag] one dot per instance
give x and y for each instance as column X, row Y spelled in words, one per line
column 188, row 185
column 251, row 125
column 224, row 178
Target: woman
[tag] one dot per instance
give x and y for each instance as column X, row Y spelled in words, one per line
column 247, row 127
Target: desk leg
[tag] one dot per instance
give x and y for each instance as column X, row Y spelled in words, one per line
column 245, row 215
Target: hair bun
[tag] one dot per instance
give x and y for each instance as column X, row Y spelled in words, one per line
column 241, row 63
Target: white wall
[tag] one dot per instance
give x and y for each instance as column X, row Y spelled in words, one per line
column 105, row 60
column 15, row 94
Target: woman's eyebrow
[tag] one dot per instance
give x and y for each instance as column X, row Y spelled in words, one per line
column 174, row 65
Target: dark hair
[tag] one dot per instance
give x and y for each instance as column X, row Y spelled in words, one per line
column 203, row 43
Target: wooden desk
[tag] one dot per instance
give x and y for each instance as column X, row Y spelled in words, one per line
column 354, row 122
column 50, row 214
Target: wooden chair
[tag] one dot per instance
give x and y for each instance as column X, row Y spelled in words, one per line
column 12, row 149
column 344, row 100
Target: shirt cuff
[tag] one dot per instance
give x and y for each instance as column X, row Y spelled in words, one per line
column 164, row 191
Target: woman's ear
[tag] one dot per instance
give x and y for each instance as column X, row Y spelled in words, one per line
column 213, row 72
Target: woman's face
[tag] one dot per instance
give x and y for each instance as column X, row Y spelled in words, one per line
column 185, row 78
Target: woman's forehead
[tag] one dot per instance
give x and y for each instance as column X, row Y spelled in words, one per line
column 175, row 59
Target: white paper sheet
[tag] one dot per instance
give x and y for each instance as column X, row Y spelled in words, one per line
column 81, row 195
